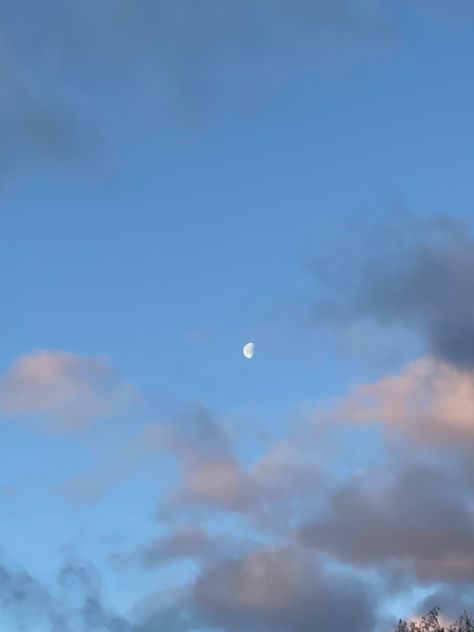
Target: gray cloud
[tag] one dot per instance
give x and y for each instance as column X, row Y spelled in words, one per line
column 268, row 590
column 281, row 590
column 411, row 272
column 417, row 515
column 74, row 604
column 64, row 63
column 451, row 601
column 188, row 541
column 269, row 493
column 210, row 474
column 412, row 517
column 61, row 63
column 271, row 590
column 185, row 542
column 34, row 123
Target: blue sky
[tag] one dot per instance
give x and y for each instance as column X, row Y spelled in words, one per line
column 173, row 179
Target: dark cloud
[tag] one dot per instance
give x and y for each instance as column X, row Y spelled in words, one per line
column 416, row 515
column 281, row 590
column 411, row 272
column 272, row 590
column 451, row 601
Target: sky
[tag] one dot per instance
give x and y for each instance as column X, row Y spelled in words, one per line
column 181, row 177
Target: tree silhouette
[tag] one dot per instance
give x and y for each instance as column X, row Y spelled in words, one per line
column 431, row 623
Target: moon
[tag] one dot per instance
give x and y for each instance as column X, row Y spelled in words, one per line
column 248, row 350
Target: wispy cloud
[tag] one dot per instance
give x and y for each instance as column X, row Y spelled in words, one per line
column 34, row 123
column 61, row 65
column 64, row 390
column 73, row 603
column 211, row 478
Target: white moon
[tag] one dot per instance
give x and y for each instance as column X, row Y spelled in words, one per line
column 248, row 350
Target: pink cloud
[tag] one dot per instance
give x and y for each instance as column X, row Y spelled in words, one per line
column 67, row 390
column 430, row 400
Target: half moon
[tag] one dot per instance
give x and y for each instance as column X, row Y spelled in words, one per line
column 248, row 350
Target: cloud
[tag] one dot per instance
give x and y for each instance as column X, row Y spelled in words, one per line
column 209, row 473
column 66, row 390
column 22, row 598
column 218, row 482
column 430, row 401
column 185, row 541
column 412, row 510
column 417, row 274
column 416, row 515
column 73, row 604
column 204, row 475
column 33, row 123
column 269, row 492
column 63, row 63
column 452, row 600
column 408, row 515
column 280, row 589
column 188, row 541
column 272, row 590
